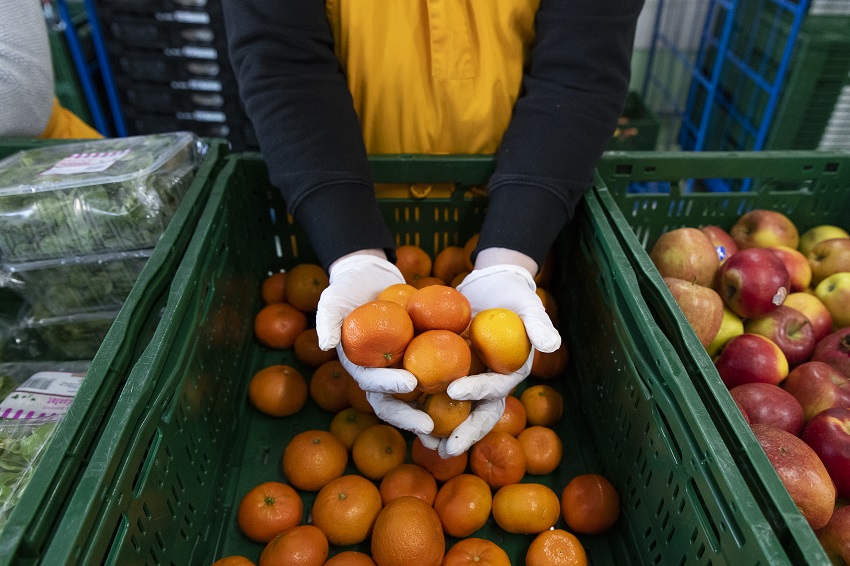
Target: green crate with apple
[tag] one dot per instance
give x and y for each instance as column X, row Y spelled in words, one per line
column 752, row 287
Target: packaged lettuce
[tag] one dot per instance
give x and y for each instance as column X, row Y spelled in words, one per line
column 93, row 197
column 21, row 445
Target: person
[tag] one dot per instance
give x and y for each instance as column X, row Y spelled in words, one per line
column 28, row 106
column 326, row 84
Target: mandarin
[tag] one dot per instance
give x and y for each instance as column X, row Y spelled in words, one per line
column 439, row 307
column 271, row 289
column 304, row 285
column 449, row 262
column 458, row 279
column 397, row 293
column 234, row 560
column 413, row 262
column 476, row 552
column 443, row 469
column 436, row 358
column 423, row 282
column 498, row 337
column 350, row 558
column 313, row 458
column 267, row 509
column 328, row 386
column 549, row 304
column 468, row 248
column 356, row 396
column 377, row 450
column 408, row 479
column 303, row 545
column 463, row 504
column 498, row 459
column 446, row 412
column 555, row 547
column 349, row 422
column 277, row 325
column 590, row 504
column 544, row 274
column 376, row 333
column 526, row 508
column 544, row 405
column 408, row 531
column 278, row 390
column 543, row 449
column 513, row 419
column 346, row 508
column 307, row 350
column 547, row 365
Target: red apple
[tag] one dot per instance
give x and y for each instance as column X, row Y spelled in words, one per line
column 801, row 471
column 835, row 536
column 751, row 358
column 769, row 404
column 702, row 306
column 721, row 240
column 834, row 293
column 787, row 328
column 818, row 233
column 764, row 228
column 828, row 434
column 828, row 257
column 743, row 411
column 815, row 311
column 818, row 386
column 685, row 253
column 799, row 269
column 835, row 351
column 753, row 282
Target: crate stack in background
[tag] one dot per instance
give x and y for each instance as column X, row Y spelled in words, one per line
column 170, row 67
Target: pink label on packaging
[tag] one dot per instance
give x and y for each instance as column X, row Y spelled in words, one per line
column 86, row 162
column 46, row 394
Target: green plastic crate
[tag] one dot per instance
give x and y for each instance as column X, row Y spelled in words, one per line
column 184, row 444
column 42, row 506
column 811, row 188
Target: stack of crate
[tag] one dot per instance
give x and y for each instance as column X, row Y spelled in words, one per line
column 170, row 66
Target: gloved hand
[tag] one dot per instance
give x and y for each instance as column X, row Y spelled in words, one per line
column 353, row 281
column 497, row 286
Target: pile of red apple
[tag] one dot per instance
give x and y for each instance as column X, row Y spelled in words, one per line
column 772, row 308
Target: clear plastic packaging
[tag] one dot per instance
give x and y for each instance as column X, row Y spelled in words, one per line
column 77, row 284
column 93, row 197
column 69, row 337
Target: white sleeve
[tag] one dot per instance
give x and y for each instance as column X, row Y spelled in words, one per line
column 26, row 69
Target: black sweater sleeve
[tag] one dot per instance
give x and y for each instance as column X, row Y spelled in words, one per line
column 297, row 99
column 574, row 91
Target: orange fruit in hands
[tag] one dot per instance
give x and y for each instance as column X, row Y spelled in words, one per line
column 350, row 558
column 443, row 469
column 278, row 325
column 376, row 334
column 547, row 365
column 313, row 458
column 271, row 289
column 398, row 293
column 278, row 390
column 555, row 547
column 407, row 532
column 306, row 349
column 346, row 508
column 328, row 386
column 446, row 413
column 526, row 508
column 513, row 419
column 543, row 449
column 544, row 405
column 268, row 509
column 377, row 450
column 498, row 459
column 349, row 422
column 304, row 545
column 304, row 285
column 439, row 307
column 436, row 358
column 498, row 337
column 463, row 505
column 408, row 479
column 448, row 262
column 590, row 504
column 413, row 262
column 476, row 552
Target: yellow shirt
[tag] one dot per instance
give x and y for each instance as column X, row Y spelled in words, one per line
column 456, row 65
